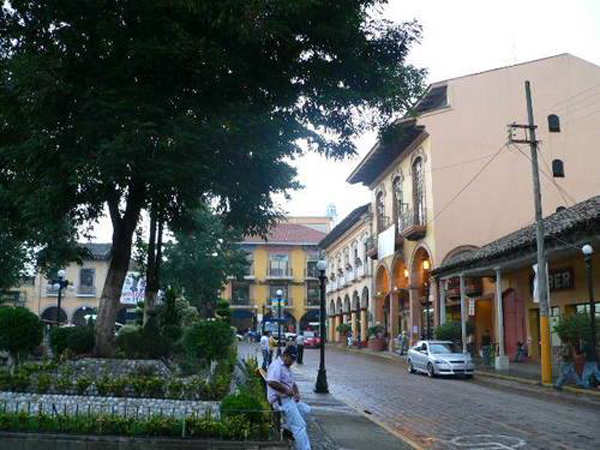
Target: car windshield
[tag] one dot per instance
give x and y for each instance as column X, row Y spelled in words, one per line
column 444, row 348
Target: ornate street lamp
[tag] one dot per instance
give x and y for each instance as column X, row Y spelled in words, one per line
column 321, row 386
column 587, row 256
column 59, row 283
column 279, row 295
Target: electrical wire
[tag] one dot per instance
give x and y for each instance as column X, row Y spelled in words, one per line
column 468, row 161
column 571, row 97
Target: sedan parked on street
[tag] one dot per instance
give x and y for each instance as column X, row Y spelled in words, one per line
column 439, row 358
column 311, row 340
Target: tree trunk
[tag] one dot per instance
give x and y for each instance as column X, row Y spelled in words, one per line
column 150, row 293
column 122, row 240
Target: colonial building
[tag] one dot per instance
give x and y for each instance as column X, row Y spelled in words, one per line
column 349, row 274
column 285, row 260
column 81, row 297
column 450, row 182
column 504, row 302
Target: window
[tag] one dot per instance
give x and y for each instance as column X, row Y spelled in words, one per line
column 553, row 123
column 278, row 265
column 398, row 198
column 311, row 265
column 558, row 169
column 418, row 193
column 240, row 294
column 380, row 206
column 313, row 294
column 87, row 278
column 250, row 268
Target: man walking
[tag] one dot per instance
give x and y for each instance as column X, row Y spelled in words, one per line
column 264, row 349
column 283, row 394
column 567, row 367
column 591, row 369
column 300, row 347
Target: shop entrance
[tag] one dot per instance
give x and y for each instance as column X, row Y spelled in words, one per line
column 484, row 322
column 514, row 322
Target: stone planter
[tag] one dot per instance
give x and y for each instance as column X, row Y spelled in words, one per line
column 377, row 344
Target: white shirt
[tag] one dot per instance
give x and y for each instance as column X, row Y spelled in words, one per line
column 299, row 340
column 278, row 371
column 264, row 342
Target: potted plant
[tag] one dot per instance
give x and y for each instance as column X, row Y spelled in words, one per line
column 376, row 338
column 344, row 329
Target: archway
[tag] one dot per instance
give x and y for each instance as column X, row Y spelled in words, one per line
column 288, row 322
column 400, row 276
column 346, row 309
column 310, row 321
column 382, row 291
column 49, row 315
column 243, row 319
column 421, row 279
column 81, row 315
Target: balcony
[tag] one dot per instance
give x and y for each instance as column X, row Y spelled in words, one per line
column 311, row 273
column 413, row 224
column 371, row 248
column 276, row 273
column 86, row 291
column 242, row 302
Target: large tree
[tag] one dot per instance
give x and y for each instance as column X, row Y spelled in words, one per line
column 135, row 105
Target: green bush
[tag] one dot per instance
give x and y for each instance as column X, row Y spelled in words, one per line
column 375, row 330
column 243, row 404
column 451, row 331
column 44, row 381
column 81, row 340
column 82, row 384
column 63, row 384
column 5, row 380
column 209, row 339
column 175, row 389
column 20, row 381
column 343, row 328
column 146, row 342
column 154, row 387
column 21, row 331
column 118, row 386
column 58, row 339
column 103, row 385
column 223, row 311
column 129, row 340
column 574, row 329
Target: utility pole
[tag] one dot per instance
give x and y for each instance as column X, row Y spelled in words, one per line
column 542, row 276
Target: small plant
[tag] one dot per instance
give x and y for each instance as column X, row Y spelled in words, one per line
column 154, row 387
column 63, row 384
column 21, row 331
column 195, row 389
column 82, row 384
column 5, row 380
column 118, row 386
column 44, row 382
column 139, row 386
column 145, row 370
column 20, row 381
column 58, row 339
column 375, row 331
column 175, row 389
column 234, row 405
column 103, row 386
column 81, row 340
column 344, row 328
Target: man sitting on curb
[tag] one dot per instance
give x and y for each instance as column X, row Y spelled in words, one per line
column 283, row 394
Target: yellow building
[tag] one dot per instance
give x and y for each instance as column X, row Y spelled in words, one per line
column 286, row 260
column 80, row 298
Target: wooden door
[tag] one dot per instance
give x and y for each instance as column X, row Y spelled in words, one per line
column 514, row 322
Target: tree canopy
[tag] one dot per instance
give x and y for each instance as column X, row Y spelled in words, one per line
column 128, row 104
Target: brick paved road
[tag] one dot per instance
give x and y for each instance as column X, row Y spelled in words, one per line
column 433, row 412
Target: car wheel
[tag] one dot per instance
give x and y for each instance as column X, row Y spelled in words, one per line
column 411, row 369
column 430, row 370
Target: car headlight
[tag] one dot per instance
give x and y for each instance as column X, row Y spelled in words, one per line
column 439, row 362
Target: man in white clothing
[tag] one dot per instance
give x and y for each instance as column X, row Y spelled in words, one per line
column 283, row 394
column 264, row 349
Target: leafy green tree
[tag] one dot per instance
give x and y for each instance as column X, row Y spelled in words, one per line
column 203, row 255
column 21, row 331
column 132, row 105
column 209, row 339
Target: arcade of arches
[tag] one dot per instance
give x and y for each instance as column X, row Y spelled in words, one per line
column 352, row 311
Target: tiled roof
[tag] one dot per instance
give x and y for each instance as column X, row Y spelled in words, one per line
column 98, row 251
column 344, row 226
column 289, row 233
column 584, row 216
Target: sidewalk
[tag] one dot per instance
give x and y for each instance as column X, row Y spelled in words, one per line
column 527, row 373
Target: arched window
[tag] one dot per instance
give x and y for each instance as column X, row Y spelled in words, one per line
column 558, row 169
column 553, row 123
column 380, row 204
column 418, row 192
column 398, row 198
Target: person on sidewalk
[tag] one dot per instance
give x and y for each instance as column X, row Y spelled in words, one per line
column 272, row 347
column 283, row 394
column 264, row 350
column 300, row 347
column 401, row 342
column 567, row 367
column 590, row 370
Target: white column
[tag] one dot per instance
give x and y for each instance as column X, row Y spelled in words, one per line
column 442, row 302
column 501, row 359
column 463, row 322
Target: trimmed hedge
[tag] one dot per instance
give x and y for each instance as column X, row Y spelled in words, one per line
column 21, row 331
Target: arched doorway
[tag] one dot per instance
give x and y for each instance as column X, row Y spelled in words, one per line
column 400, row 286
column 421, row 278
column 243, row 320
column 310, row 321
column 382, row 285
column 81, row 315
column 49, row 315
column 288, row 322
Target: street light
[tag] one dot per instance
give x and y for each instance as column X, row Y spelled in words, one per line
column 59, row 283
column 587, row 256
column 321, row 385
column 279, row 294
column 425, row 303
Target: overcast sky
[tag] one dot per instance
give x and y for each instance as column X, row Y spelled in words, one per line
column 460, row 37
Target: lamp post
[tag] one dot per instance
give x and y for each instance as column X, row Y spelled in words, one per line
column 59, row 283
column 426, row 287
column 263, row 320
column 279, row 294
column 321, row 385
column 587, row 256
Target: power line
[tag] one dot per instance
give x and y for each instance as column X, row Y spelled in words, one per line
column 450, row 166
column 471, row 181
column 566, row 99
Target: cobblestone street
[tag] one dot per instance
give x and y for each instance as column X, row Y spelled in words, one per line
column 458, row 414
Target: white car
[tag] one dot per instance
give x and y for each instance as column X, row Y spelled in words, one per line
column 439, row 358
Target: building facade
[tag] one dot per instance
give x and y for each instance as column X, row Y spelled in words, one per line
column 80, row 298
column 349, row 274
column 285, row 260
column 451, row 182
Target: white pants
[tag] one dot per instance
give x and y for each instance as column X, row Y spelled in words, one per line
column 293, row 416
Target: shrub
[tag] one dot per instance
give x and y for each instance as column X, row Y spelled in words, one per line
column 21, row 331
column 234, row 405
column 343, row 328
column 154, row 387
column 58, row 339
column 223, row 311
column 82, row 384
column 375, row 330
column 103, row 385
column 129, row 340
column 145, row 371
column 20, row 381
column 574, row 329
column 175, row 389
column 44, row 381
column 118, row 386
column 451, row 331
column 210, row 340
column 63, row 384
column 81, row 340
column 5, row 380
column 144, row 342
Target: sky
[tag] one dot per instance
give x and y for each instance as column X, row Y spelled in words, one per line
column 459, row 37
